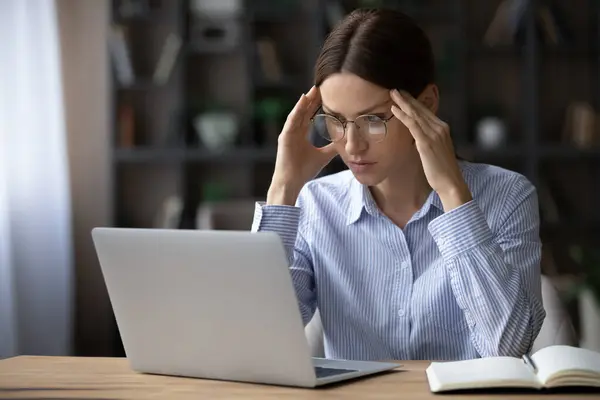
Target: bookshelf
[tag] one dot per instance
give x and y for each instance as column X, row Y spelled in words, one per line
column 159, row 153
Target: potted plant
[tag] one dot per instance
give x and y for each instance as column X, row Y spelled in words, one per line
column 588, row 293
column 270, row 114
column 216, row 125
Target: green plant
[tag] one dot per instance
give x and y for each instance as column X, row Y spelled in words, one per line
column 371, row 3
column 589, row 261
column 214, row 192
column 271, row 109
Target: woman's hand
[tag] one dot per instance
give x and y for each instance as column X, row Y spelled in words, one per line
column 298, row 160
column 433, row 142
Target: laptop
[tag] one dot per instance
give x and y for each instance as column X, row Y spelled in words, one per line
column 212, row 304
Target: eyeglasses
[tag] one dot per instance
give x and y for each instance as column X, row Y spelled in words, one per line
column 372, row 127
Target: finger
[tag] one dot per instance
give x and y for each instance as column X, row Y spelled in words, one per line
column 405, row 105
column 413, row 109
column 433, row 125
column 423, row 110
column 300, row 105
column 296, row 116
column 314, row 95
column 411, row 123
column 328, row 151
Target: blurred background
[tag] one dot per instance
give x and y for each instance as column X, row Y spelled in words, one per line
column 165, row 114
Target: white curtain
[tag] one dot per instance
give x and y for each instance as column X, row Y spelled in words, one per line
column 36, row 272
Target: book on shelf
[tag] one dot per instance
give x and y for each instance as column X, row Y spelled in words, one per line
column 581, row 125
column 167, row 59
column 121, row 55
column 551, row 367
column 508, row 25
column 126, row 126
column 270, row 65
column 169, row 214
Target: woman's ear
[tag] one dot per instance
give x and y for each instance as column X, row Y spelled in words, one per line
column 430, row 97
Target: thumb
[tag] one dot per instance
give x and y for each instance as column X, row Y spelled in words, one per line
column 328, row 152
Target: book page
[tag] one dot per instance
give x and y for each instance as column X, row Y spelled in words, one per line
column 566, row 360
column 481, row 373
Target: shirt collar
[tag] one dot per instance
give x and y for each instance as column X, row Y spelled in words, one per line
column 432, row 200
column 360, row 199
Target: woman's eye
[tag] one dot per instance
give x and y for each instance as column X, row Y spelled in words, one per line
column 373, row 118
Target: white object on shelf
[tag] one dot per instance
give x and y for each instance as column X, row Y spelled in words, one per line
column 589, row 314
column 228, row 215
column 167, row 59
column 169, row 214
column 491, row 133
column 217, row 129
column 217, row 8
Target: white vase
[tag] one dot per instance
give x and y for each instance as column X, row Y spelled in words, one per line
column 491, row 133
column 217, row 130
column 589, row 315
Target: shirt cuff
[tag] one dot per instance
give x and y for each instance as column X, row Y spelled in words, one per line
column 460, row 229
column 282, row 220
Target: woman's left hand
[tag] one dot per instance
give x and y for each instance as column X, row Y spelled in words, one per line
column 434, row 144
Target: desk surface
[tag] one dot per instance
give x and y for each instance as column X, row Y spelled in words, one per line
column 110, row 378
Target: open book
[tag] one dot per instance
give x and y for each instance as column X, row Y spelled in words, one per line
column 550, row 367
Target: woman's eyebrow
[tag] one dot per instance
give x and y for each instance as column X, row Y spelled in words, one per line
column 366, row 111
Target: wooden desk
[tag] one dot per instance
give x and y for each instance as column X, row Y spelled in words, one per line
column 111, row 378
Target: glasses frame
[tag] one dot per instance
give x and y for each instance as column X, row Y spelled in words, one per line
column 345, row 123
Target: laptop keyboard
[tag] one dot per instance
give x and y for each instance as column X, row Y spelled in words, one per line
column 323, row 372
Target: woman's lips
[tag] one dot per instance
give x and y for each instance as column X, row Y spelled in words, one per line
column 360, row 166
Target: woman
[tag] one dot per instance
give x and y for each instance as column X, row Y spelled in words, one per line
column 411, row 253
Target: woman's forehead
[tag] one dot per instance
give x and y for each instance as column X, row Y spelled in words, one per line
column 348, row 94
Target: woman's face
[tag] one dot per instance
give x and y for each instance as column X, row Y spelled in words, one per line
column 370, row 159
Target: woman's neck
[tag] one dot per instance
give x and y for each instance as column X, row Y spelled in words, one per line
column 401, row 195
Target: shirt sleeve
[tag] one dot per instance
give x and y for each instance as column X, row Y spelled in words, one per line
column 285, row 221
column 495, row 274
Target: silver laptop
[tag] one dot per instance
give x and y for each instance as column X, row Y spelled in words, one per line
column 214, row 305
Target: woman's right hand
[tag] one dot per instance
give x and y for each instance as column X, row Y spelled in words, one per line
column 298, row 160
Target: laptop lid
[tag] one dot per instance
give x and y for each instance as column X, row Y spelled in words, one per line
column 210, row 304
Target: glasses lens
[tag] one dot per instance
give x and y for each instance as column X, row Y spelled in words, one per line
column 371, row 125
column 328, row 127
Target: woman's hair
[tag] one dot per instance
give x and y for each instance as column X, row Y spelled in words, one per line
column 382, row 46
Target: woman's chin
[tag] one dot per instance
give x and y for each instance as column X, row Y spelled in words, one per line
column 368, row 179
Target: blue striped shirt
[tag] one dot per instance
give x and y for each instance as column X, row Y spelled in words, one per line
column 450, row 285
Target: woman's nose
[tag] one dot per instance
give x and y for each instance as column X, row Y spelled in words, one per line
column 355, row 143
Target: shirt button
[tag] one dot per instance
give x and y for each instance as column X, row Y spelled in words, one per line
column 401, row 312
column 404, row 265
column 442, row 241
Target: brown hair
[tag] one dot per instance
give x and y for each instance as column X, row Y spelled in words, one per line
column 383, row 46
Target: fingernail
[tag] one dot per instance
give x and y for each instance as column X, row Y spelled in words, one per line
column 396, row 92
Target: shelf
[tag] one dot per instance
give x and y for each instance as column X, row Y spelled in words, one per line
column 276, row 15
column 547, row 151
column 153, row 16
column 571, row 228
column 140, row 85
column 482, row 50
column 285, row 83
column 178, row 155
column 473, row 151
column 194, row 49
column 555, row 51
column 428, row 16
column 566, row 151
